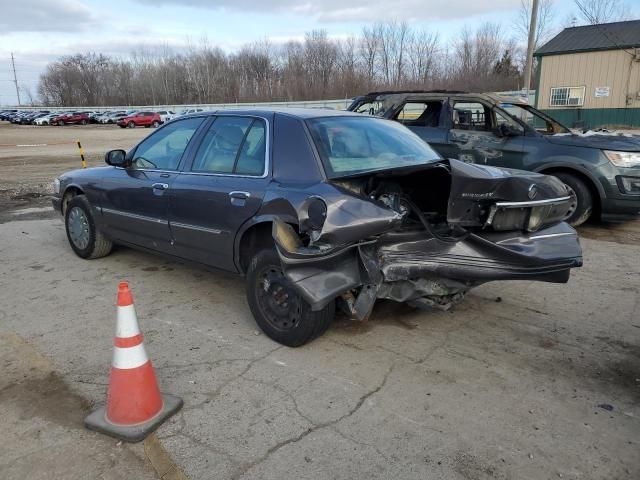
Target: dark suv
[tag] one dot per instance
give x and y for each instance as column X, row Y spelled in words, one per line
column 603, row 171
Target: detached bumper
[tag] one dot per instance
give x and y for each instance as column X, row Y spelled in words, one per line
column 410, row 266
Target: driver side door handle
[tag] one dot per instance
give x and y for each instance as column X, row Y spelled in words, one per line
column 160, row 186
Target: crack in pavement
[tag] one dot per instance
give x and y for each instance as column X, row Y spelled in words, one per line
column 315, row 427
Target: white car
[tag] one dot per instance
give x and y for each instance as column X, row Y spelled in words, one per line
column 112, row 117
column 166, row 115
column 46, row 119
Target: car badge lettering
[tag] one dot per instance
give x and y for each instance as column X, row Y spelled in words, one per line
column 533, row 191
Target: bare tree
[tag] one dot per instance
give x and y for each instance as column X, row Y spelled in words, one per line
column 594, row 12
column 423, row 51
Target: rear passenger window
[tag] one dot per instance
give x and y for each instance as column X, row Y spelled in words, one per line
column 420, row 114
column 251, row 158
column 232, row 145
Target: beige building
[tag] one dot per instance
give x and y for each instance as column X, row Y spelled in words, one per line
column 589, row 76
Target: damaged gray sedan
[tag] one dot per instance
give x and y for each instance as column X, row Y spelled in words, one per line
column 386, row 217
column 319, row 208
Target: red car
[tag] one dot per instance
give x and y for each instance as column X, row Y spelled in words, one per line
column 141, row 119
column 70, row 118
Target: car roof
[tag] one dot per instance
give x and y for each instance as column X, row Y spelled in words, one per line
column 435, row 94
column 296, row 112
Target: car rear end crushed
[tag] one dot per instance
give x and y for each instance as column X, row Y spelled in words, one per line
column 423, row 233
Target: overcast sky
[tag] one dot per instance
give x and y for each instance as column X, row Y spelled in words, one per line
column 38, row 31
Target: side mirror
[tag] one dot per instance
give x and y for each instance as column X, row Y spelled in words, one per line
column 116, row 158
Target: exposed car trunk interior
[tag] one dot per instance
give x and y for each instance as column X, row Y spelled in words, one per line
column 421, row 197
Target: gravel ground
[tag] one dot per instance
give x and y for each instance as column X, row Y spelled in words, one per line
column 522, row 380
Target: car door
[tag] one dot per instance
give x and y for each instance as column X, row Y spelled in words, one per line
column 135, row 205
column 220, row 189
column 473, row 139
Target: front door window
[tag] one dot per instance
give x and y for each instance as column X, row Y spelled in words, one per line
column 163, row 150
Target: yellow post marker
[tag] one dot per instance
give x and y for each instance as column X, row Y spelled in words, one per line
column 84, row 162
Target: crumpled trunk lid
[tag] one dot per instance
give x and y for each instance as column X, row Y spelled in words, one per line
column 474, row 188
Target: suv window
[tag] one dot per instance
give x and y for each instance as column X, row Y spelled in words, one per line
column 420, row 114
column 471, row 116
column 163, row 150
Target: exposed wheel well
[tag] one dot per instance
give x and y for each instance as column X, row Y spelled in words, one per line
column 587, row 181
column 255, row 238
column 68, row 195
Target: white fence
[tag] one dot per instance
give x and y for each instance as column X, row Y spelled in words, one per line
column 332, row 104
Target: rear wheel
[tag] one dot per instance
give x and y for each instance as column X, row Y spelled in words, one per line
column 582, row 199
column 84, row 237
column 83, row 122
column 155, row 124
column 280, row 312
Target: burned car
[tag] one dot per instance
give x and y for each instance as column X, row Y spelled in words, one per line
column 317, row 208
column 602, row 170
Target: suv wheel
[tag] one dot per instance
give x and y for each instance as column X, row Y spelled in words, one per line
column 83, row 122
column 60, row 123
column 131, row 125
column 280, row 312
column 155, row 124
column 582, row 205
column 85, row 239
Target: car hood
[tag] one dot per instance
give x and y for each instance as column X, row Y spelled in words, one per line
column 597, row 140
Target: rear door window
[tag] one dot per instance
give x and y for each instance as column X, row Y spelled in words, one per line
column 420, row 114
column 233, row 145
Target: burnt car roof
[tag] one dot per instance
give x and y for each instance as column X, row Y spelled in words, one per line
column 426, row 94
column 301, row 113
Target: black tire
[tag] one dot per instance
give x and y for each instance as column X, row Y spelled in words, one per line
column 83, row 122
column 583, row 206
column 155, row 124
column 61, row 123
column 98, row 245
column 298, row 324
column 131, row 125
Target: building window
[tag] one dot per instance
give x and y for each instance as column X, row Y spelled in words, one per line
column 567, row 97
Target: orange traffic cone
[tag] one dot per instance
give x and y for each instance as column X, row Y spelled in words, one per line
column 135, row 407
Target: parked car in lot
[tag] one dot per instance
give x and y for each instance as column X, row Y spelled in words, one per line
column 112, row 117
column 603, row 171
column 189, row 111
column 71, row 118
column 6, row 114
column 166, row 115
column 45, row 119
column 140, row 119
column 317, row 207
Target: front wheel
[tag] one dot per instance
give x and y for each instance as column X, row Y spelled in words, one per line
column 280, row 312
column 582, row 199
column 131, row 125
column 83, row 122
column 60, row 123
column 84, row 237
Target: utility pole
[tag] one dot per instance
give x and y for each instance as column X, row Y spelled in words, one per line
column 15, row 79
column 532, row 40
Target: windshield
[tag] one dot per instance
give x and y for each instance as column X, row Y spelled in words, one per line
column 353, row 145
column 534, row 118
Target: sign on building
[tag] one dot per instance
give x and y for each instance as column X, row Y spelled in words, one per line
column 601, row 92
